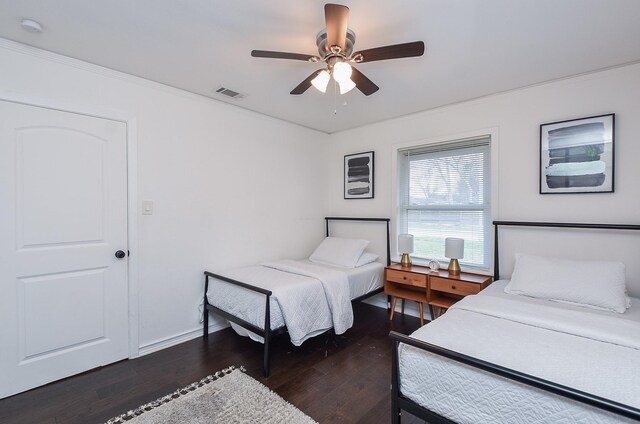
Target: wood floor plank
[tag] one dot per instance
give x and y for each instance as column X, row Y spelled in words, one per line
column 333, row 378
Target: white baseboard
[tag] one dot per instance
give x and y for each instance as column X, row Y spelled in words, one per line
column 380, row 300
column 180, row 338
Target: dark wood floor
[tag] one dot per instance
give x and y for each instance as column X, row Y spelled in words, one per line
column 334, row 379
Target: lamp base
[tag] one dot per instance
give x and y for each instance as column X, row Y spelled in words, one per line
column 454, row 267
column 405, row 261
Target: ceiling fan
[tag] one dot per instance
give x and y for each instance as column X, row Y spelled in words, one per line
column 335, row 46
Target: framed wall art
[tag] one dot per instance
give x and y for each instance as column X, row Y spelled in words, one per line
column 577, row 156
column 358, row 176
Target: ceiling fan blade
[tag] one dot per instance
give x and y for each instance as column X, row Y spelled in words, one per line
column 304, row 85
column 363, row 83
column 337, row 18
column 396, row 51
column 284, row 55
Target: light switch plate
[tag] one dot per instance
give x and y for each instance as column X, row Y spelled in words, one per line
column 147, row 207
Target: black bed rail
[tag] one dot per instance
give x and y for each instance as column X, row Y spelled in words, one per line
column 398, row 401
column 520, row 377
column 387, row 220
column 497, row 224
column 238, row 283
column 266, row 333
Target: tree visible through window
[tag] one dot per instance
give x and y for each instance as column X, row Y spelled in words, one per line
column 444, row 192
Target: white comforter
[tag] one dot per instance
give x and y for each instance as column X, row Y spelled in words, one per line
column 594, row 353
column 311, row 298
column 336, row 289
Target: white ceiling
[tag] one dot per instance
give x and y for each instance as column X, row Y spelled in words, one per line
column 473, row 47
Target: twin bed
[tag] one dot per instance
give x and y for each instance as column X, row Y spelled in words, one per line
column 303, row 298
column 511, row 358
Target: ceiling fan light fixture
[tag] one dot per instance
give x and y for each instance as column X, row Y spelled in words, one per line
column 342, row 72
column 335, row 47
column 321, row 81
column 346, row 86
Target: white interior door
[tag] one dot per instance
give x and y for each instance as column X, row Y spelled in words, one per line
column 63, row 215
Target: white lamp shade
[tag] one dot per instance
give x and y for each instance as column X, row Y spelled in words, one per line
column 341, row 71
column 321, row 81
column 405, row 243
column 346, row 85
column 454, row 248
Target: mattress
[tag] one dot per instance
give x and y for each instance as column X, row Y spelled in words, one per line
column 467, row 395
column 304, row 291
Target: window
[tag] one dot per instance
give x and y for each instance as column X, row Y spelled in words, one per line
column 444, row 191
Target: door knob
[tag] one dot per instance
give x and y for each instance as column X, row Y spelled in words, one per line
column 120, row 254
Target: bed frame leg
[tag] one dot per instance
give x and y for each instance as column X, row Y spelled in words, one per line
column 205, row 311
column 266, row 360
column 267, row 337
column 396, row 412
column 205, row 324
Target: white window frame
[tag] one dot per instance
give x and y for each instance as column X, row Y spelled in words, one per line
column 492, row 133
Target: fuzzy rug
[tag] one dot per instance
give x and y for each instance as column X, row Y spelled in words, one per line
column 228, row 396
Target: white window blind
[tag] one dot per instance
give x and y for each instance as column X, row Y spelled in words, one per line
column 444, row 191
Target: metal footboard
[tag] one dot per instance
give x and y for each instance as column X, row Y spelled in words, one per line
column 266, row 333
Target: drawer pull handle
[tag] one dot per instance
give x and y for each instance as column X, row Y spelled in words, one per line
column 453, row 287
column 404, row 278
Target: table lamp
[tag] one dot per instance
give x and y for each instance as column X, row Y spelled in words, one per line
column 454, row 250
column 405, row 246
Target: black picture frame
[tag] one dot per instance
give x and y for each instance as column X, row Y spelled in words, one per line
column 359, row 175
column 578, row 155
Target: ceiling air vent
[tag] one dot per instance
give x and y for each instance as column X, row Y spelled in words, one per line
column 229, row 93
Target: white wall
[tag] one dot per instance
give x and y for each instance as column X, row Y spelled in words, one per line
column 516, row 116
column 230, row 187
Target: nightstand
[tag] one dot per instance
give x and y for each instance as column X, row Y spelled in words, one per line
column 437, row 288
column 444, row 289
column 406, row 283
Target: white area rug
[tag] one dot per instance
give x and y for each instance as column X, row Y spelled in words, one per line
column 228, row 396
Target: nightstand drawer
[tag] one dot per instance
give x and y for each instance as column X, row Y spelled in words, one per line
column 454, row 286
column 407, row 278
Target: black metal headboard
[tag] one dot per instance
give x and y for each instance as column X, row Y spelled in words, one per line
column 387, row 220
column 497, row 224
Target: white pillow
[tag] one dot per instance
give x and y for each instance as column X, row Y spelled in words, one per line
column 366, row 258
column 594, row 284
column 339, row 251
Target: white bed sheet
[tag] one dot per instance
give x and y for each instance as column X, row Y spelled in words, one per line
column 467, row 395
column 250, row 306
